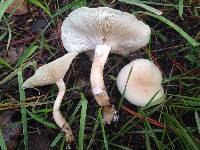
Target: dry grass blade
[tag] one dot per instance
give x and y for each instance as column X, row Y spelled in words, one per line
column 152, row 121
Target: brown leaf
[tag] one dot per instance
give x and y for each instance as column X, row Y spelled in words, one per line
column 10, row 130
column 21, row 6
column 12, row 54
column 195, row 1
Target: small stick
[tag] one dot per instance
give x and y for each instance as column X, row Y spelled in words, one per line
column 152, row 121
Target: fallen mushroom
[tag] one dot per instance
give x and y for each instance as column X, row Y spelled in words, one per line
column 51, row 73
column 103, row 29
column 142, row 80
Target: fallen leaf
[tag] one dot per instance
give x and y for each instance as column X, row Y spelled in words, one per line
column 12, row 54
column 20, row 5
column 11, row 130
column 196, row 1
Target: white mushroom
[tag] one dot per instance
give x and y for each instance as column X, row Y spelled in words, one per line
column 52, row 73
column 103, row 29
column 144, row 83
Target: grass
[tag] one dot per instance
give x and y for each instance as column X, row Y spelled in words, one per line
column 141, row 4
column 82, row 122
column 42, row 6
column 2, row 142
column 23, row 108
column 175, row 27
column 103, row 130
column 4, row 5
column 174, row 47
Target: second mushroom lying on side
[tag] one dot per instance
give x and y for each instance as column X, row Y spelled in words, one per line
column 52, row 73
column 104, row 30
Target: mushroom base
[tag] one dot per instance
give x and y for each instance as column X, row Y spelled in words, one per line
column 109, row 112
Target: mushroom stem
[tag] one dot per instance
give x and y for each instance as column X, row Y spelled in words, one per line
column 59, row 119
column 97, row 82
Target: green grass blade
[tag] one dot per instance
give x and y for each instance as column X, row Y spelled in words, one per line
column 122, row 97
column 2, row 142
column 9, row 33
column 180, row 8
column 41, row 120
column 82, row 3
column 96, row 125
column 152, row 133
column 147, row 140
column 4, row 63
column 57, row 139
column 74, row 113
column 45, row 110
column 72, row 5
column 120, row 146
column 3, row 6
column 9, row 77
column 192, row 41
column 140, row 4
column 3, row 35
column 14, row 73
column 128, row 126
column 63, row 144
column 184, row 135
column 197, row 120
column 23, row 108
column 27, row 53
column 103, row 2
column 39, row 4
column 69, row 6
column 82, row 121
column 103, row 131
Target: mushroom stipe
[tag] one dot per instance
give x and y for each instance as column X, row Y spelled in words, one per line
column 103, row 30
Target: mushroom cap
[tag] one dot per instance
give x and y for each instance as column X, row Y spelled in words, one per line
column 143, row 84
column 85, row 28
column 50, row 73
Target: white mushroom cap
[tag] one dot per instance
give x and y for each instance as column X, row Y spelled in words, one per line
column 85, row 28
column 50, row 73
column 143, row 84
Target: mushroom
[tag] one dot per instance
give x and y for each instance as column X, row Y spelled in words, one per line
column 51, row 73
column 140, row 82
column 103, row 29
